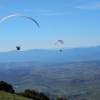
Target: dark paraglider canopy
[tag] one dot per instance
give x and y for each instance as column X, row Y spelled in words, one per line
column 18, row 47
column 60, row 50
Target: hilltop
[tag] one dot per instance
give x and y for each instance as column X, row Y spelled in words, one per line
column 9, row 96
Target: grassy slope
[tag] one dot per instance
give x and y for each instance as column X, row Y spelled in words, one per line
column 8, row 96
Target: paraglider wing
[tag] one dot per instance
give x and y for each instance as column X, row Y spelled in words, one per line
column 19, row 15
column 61, row 41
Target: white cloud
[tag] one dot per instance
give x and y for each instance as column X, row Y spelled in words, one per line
column 51, row 14
column 42, row 10
column 37, row 10
column 91, row 6
column 27, row 10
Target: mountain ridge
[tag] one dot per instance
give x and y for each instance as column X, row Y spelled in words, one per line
column 46, row 55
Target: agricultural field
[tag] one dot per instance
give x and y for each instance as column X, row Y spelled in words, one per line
column 73, row 80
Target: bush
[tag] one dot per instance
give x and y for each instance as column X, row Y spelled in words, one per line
column 6, row 87
column 33, row 95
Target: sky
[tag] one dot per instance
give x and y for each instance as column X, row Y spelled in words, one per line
column 76, row 22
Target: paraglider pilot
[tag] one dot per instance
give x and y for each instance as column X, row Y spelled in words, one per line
column 18, row 47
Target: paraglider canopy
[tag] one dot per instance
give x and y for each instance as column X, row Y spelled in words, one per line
column 18, row 47
column 21, row 15
column 61, row 41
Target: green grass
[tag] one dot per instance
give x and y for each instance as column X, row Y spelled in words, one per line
column 8, row 96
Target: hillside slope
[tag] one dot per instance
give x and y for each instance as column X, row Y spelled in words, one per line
column 9, row 96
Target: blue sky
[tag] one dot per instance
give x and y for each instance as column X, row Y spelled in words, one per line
column 76, row 22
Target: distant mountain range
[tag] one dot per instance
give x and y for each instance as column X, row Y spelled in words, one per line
column 41, row 55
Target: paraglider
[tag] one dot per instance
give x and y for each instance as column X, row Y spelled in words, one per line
column 18, row 47
column 21, row 15
column 61, row 41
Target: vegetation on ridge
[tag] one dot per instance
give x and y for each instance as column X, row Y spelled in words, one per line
column 7, row 93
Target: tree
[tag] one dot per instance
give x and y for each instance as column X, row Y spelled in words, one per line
column 33, row 95
column 6, row 87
